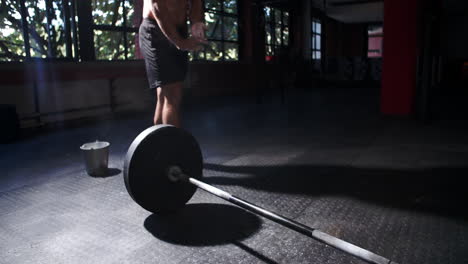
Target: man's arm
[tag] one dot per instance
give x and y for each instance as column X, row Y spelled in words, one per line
column 196, row 13
column 198, row 27
column 168, row 27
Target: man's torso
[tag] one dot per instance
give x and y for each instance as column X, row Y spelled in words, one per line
column 176, row 8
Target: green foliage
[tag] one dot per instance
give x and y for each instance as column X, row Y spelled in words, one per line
column 110, row 44
column 131, row 38
column 222, row 32
column 132, row 20
column 230, row 28
column 11, row 35
column 213, row 5
column 286, row 35
column 276, row 30
column 213, row 23
column 46, row 37
column 108, row 12
column 214, row 52
column 268, row 14
column 231, row 51
column 230, row 6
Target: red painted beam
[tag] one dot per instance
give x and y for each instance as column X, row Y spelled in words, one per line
column 400, row 50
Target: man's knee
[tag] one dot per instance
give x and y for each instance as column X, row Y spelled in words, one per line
column 172, row 93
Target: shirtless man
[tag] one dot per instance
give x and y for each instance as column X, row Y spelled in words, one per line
column 164, row 43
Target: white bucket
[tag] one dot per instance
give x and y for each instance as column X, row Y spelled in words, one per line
column 96, row 156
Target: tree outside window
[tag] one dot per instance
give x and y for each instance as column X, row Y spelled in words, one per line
column 48, row 29
column 37, row 29
column 221, row 19
column 115, row 29
column 276, row 31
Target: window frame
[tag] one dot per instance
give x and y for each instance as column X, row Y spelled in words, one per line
column 124, row 29
column 74, row 49
column 313, row 36
column 378, row 35
column 272, row 26
column 195, row 56
column 67, row 13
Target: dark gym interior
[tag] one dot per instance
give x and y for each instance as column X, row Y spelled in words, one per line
column 347, row 116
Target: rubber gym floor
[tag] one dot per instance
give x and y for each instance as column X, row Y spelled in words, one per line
column 325, row 158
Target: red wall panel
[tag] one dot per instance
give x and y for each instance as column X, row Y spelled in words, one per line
column 400, row 52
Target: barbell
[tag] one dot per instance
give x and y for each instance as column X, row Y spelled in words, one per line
column 163, row 168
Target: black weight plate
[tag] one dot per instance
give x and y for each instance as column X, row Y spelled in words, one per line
column 145, row 169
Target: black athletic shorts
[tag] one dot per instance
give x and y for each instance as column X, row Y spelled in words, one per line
column 164, row 63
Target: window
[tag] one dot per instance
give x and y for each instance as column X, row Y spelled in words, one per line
column 374, row 41
column 276, row 31
column 37, row 29
column 115, row 29
column 12, row 47
column 316, row 40
column 48, row 29
column 221, row 19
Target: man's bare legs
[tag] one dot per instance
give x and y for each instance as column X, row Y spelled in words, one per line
column 159, row 107
column 167, row 110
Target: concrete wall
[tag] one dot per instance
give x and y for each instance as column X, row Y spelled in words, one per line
column 48, row 92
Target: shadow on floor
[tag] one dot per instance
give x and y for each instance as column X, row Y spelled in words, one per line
column 113, row 172
column 110, row 172
column 203, row 225
column 254, row 253
column 437, row 190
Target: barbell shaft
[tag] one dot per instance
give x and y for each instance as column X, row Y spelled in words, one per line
column 335, row 242
column 165, row 150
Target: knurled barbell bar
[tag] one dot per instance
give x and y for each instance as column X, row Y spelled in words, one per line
column 163, row 168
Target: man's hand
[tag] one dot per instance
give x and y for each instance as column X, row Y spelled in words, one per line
column 192, row 44
column 198, row 30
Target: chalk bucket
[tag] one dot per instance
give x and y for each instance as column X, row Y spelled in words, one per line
column 96, row 155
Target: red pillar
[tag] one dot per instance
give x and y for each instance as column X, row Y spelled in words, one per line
column 400, row 52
